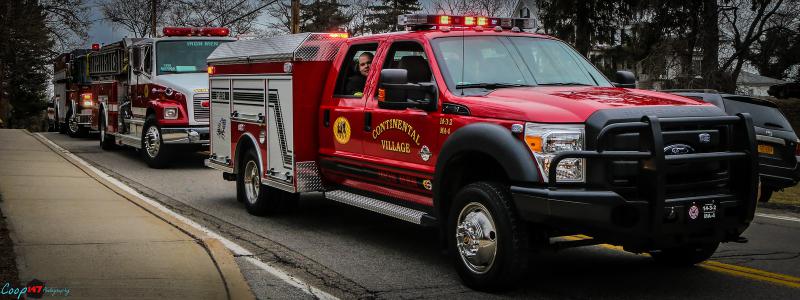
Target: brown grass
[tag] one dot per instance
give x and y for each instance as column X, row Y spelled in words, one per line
column 789, row 196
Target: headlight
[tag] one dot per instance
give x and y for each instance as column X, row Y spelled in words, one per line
column 546, row 140
column 87, row 103
column 170, row 113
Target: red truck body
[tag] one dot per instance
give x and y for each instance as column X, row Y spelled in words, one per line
column 473, row 157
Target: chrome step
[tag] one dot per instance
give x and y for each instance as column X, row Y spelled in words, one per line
column 381, row 207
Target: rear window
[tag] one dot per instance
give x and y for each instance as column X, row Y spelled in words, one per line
column 763, row 116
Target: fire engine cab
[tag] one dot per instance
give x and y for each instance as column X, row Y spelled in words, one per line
column 505, row 140
column 151, row 93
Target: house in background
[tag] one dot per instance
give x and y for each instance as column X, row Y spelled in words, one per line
column 755, row 85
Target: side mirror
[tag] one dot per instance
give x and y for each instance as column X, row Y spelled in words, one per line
column 396, row 93
column 625, row 79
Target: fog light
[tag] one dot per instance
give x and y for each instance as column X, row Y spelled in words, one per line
column 170, row 113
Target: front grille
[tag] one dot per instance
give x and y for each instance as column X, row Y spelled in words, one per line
column 201, row 114
column 682, row 179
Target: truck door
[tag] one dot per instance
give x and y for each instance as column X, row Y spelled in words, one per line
column 404, row 139
column 343, row 131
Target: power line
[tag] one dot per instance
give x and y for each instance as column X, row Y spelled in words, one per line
column 226, row 12
column 247, row 14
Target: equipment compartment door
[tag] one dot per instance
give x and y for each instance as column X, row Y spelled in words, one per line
column 219, row 120
column 280, row 151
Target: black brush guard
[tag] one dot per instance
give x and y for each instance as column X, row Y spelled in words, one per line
column 644, row 223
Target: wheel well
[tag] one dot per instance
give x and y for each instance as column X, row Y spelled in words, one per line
column 150, row 111
column 245, row 144
column 463, row 169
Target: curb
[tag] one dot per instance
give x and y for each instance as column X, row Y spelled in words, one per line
column 235, row 284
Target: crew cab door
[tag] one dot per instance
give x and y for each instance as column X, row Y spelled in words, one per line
column 403, row 142
column 342, row 132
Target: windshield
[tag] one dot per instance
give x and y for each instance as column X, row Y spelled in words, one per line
column 183, row 56
column 501, row 61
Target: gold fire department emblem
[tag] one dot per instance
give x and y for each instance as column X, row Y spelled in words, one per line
column 341, row 130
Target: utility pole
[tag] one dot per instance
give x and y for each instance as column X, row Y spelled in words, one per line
column 295, row 21
column 153, row 19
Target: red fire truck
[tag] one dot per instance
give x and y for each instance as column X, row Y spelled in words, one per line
column 502, row 139
column 71, row 114
column 151, row 93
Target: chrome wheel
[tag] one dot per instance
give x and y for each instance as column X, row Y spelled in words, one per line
column 252, row 182
column 152, row 141
column 476, row 238
column 73, row 124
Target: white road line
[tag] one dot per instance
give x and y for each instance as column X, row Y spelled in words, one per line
column 233, row 247
column 778, row 217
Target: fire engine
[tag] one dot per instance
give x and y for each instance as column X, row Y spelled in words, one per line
column 504, row 140
column 71, row 114
column 150, row 93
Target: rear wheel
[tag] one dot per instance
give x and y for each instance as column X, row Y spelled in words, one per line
column 153, row 149
column 107, row 141
column 685, row 256
column 488, row 242
column 259, row 199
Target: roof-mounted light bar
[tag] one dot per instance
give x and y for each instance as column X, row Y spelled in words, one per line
column 417, row 21
column 189, row 31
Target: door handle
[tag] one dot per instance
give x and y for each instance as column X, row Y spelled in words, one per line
column 326, row 118
column 368, row 121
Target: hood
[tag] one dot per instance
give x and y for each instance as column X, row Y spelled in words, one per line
column 187, row 83
column 564, row 104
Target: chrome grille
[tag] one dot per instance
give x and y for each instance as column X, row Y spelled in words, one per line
column 201, row 114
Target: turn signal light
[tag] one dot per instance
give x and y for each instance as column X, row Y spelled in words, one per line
column 341, row 35
column 211, row 70
column 534, row 142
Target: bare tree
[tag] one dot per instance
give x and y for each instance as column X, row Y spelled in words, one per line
column 743, row 22
column 134, row 15
column 67, row 21
column 238, row 15
column 491, row 8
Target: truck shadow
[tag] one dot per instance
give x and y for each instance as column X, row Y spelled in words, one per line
column 410, row 257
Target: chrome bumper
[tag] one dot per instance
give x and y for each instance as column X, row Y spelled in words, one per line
column 190, row 135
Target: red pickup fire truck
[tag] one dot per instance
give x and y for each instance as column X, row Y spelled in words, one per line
column 151, row 93
column 503, row 139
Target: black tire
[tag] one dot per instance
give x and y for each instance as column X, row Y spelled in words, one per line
column 259, row 199
column 107, row 141
column 685, row 256
column 765, row 194
column 510, row 233
column 156, row 156
column 74, row 130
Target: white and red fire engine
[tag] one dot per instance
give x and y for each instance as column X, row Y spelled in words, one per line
column 151, row 93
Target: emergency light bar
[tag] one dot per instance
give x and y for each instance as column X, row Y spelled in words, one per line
column 189, row 31
column 463, row 21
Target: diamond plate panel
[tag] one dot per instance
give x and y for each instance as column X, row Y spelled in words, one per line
column 378, row 206
column 300, row 47
column 308, row 178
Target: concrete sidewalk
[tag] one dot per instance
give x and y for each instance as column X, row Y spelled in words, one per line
column 72, row 231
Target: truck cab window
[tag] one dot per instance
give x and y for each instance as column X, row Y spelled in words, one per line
column 411, row 57
column 148, row 60
column 355, row 68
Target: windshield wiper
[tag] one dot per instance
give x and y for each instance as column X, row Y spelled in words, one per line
column 490, row 85
column 564, row 83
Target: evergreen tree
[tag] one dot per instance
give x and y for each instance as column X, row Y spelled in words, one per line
column 384, row 16
column 24, row 56
column 323, row 16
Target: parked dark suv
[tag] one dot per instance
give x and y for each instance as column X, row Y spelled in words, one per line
column 777, row 142
column 785, row 90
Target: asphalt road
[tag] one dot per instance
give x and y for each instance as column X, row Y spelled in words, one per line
column 352, row 253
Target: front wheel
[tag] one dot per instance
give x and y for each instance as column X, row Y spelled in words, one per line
column 73, row 129
column 488, row 242
column 107, row 141
column 686, row 255
column 153, row 149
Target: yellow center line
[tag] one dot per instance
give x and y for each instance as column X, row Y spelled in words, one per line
column 739, row 271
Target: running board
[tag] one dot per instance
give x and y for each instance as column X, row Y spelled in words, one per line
column 382, row 207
